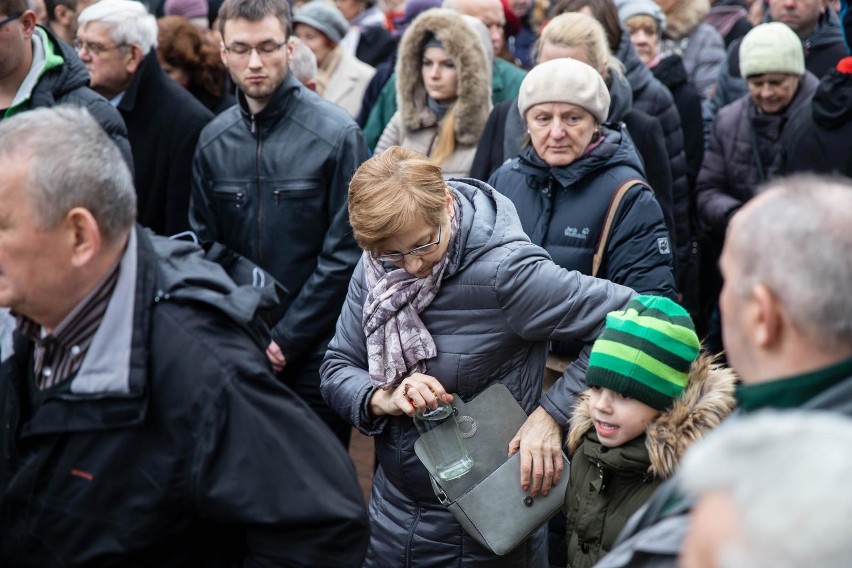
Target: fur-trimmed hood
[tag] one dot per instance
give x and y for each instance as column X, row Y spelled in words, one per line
column 706, row 401
column 684, row 16
column 462, row 45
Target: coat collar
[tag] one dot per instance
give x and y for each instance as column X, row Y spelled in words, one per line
column 707, row 400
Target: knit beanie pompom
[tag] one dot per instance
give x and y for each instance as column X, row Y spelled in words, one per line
column 645, row 351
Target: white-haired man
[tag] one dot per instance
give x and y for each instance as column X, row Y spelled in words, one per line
column 142, row 425
column 117, row 40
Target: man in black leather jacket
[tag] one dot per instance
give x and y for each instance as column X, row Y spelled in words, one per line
column 270, row 178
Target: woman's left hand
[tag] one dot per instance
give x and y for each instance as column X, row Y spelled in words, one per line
column 540, row 442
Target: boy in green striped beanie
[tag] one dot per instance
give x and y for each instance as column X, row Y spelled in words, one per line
column 651, row 395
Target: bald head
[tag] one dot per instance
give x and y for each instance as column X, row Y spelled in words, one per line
column 489, row 12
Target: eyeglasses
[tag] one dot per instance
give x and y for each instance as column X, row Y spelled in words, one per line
column 13, row 17
column 416, row 251
column 95, row 48
column 266, row 48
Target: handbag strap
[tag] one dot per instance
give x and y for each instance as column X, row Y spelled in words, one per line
column 600, row 249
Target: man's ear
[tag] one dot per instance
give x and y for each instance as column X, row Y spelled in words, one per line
column 135, row 59
column 29, row 21
column 84, row 236
column 766, row 317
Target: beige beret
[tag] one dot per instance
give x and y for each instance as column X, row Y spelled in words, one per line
column 565, row 81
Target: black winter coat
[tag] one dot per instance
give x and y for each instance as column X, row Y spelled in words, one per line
column 731, row 173
column 653, row 98
column 563, row 209
column 819, row 136
column 69, row 84
column 671, row 73
column 163, row 123
column 183, row 452
column 272, row 187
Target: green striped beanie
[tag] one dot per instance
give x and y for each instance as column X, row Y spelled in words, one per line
column 645, row 351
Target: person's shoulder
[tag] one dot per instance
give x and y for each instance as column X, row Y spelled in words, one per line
column 319, row 117
column 221, row 123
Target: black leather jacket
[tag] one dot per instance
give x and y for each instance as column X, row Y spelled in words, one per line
column 272, row 187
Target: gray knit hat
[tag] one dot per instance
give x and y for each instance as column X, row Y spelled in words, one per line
column 324, row 18
column 771, row 48
column 565, row 81
column 629, row 8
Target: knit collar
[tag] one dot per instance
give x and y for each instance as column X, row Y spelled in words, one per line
column 794, row 391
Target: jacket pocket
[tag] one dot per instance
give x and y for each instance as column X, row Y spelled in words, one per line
column 296, row 189
column 230, row 194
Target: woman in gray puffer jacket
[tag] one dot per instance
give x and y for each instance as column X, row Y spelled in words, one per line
column 448, row 273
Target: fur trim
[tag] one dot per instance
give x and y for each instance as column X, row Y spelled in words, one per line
column 684, row 16
column 462, row 44
column 707, row 400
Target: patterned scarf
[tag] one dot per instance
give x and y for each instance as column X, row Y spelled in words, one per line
column 398, row 343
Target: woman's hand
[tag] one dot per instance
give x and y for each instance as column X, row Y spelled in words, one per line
column 540, row 442
column 415, row 392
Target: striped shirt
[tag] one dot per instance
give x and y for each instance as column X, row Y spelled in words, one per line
column 58, row 355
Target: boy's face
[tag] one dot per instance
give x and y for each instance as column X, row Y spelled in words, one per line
column 617, row 418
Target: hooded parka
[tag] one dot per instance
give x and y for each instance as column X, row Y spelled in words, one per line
column 416, row 126
column 500, row 301
column 607, row 485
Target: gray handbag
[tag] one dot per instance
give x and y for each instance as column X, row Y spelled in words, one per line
column 488, row 501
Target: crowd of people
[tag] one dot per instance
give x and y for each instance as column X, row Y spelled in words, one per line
column 233, row 231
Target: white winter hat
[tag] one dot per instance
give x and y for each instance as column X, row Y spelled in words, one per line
column 771, row 48
column 565, row 81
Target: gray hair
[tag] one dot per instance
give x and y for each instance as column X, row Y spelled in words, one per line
column 303, row 64
column 796, row 241
column 787, row 475
column 128, row 21
column 72, row 163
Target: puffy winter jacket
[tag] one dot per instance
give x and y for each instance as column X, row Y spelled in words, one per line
column 730, row 173
column 563, row 209
column 500, row 301
column 272, row 187
column 179, row 449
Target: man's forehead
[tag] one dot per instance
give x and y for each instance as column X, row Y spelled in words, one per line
column 94, row 30
column 242, row 29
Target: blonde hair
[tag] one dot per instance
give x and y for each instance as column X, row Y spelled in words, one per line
column 446, row 137
column 390, row 192
column 574, row 29
column 642, row 22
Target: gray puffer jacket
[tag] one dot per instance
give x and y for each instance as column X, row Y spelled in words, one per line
column 500, row 301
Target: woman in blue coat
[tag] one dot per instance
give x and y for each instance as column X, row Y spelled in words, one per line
column 450, row 297
column 565, row 177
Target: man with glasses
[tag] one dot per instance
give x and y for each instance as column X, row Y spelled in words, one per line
column 38, row 70
column 270, row 179
column 116, row 41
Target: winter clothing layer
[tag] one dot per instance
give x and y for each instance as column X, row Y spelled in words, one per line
column 163, row 123
column 730, row 173
column 823, row 49
column 818, row 137
column 699, row 44
column 563, row 209
column 771, row 48
column 416, row 126
column 272, row 187
column 652, row 97
column 500, row 301
column 730, row 18
column 565, row 81
column 504, row 132
column 607, row 485
column 505, row 82
column 653, row 538
column 348, row 82
column 186, row 452
column 64, row 80
column 670, row 72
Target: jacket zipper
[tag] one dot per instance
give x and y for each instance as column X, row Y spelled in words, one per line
column 258, row 153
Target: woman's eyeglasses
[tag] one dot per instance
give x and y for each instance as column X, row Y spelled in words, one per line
column 416, row 251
